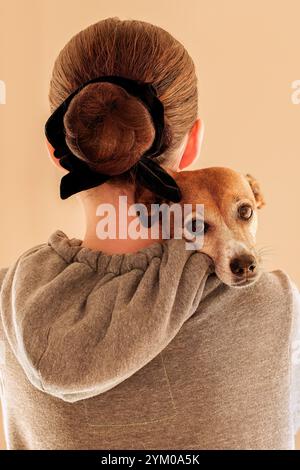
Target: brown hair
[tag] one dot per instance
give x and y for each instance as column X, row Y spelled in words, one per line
column 105, row 126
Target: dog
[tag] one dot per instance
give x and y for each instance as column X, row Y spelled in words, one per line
column 231, row 201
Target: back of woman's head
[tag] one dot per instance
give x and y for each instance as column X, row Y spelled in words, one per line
column 106, row 126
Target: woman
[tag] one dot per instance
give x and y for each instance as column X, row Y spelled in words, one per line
column 125, row 343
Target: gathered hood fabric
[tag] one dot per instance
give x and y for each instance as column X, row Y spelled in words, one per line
column 80, row 321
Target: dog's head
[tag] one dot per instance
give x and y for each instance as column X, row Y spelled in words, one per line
column 230, row 201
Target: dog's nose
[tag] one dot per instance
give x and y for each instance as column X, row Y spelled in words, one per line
column 243, row 265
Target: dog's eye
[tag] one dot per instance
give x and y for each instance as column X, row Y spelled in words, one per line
column 195, row 226
column 194, row 229
column 245, row 212
column 206, row 227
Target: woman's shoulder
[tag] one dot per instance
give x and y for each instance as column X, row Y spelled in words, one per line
column 3, row 272
column 273, row 298
column 276, row 283
column 278, row 287
column 274, row 291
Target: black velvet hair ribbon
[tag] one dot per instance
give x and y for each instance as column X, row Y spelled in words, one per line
column 148, row 172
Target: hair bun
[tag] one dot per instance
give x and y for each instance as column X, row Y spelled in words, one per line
column 108, row 128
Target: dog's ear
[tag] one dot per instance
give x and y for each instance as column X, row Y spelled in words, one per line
column 259, row 198
column 146, row 197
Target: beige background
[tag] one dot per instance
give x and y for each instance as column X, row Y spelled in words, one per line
column 247, row 56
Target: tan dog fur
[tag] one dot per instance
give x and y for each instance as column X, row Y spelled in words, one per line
column 229, row 240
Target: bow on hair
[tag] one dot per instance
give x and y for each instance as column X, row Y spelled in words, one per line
column 148, row 172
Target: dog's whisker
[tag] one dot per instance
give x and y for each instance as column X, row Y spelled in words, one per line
column 265, row 247
column 266, row 250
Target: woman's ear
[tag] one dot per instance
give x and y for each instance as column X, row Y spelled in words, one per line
column 193, row 145
column 54, row 160
column 259, row 198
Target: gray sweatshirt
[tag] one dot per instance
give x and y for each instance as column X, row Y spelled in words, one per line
column 146, row 350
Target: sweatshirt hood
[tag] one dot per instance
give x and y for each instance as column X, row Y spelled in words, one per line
column 80, row 321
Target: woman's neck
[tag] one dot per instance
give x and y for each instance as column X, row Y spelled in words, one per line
column 109, row 227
